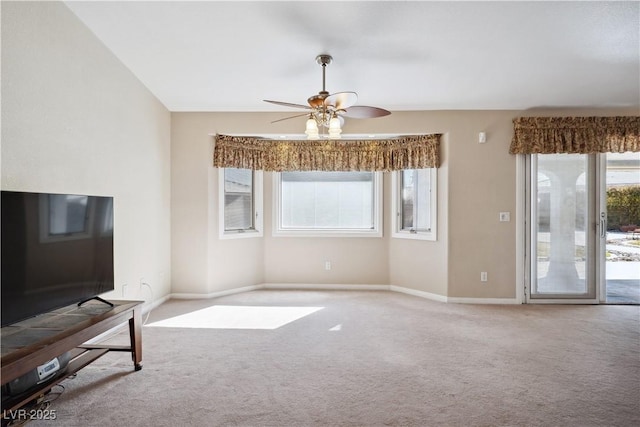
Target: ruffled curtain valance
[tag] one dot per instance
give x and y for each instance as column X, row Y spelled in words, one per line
column 404, row 152
column 583, row 135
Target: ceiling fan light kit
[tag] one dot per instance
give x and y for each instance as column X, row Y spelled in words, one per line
column 328, row 110
column 334, row 128
column 312, row 128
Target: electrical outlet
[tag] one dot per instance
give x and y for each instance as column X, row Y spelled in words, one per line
column 505, row 216
column 483, row 276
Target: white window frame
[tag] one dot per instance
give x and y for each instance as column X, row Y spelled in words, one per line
column 258, row 190
column 396, row 205
column 278, row 231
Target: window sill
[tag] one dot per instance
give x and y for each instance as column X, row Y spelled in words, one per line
column 426, row 235
column 228, row 235
column 327, row 233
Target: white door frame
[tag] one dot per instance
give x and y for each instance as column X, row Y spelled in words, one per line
column 594, row 245
column 601, row 231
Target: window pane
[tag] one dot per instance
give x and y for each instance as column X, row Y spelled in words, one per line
column 67, row 214
column 327, row 200
column 416, row 199
column 238, row 199
column 238, row 180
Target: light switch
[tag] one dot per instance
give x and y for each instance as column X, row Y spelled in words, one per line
column 505, row 216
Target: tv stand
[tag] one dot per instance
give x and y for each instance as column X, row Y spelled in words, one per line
column 97, row 298
column 33, row 342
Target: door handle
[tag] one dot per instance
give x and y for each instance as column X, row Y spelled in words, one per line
column 603, row 225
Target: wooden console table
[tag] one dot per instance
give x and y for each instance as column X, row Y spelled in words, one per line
column 33, row 342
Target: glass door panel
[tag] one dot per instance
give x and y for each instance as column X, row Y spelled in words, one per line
column 622, row 242
column 562, row 227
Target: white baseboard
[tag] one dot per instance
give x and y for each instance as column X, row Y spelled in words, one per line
column 463, row 300
column 340, row 287
column 215, row 294
column 565, row 301
column 328, row 287
column 417, row 293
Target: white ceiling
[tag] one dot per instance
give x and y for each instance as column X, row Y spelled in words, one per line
column 229, row 56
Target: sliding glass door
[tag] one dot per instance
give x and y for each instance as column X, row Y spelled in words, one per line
column 583, row 228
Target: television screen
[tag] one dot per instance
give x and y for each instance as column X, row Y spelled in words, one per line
column 57, row 249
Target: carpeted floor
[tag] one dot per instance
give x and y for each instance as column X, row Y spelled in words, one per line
column 366, row 359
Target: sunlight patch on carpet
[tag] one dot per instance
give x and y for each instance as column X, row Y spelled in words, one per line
column 237, row 317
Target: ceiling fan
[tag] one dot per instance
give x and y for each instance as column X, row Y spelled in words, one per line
column 328, row 110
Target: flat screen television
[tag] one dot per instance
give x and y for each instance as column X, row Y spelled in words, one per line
column 56, row 250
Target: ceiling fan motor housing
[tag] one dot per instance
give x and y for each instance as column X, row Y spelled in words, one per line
column 317, row 101
column 324, row 59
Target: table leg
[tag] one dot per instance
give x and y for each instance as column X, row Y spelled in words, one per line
column 135, row 333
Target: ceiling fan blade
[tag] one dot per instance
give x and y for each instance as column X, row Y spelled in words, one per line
column 290, row 117
column 364, row 112
column 341, row 100
column 288, row 104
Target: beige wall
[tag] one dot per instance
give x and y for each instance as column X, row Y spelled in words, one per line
column 482, row 184
column 202, row 263
column 75, row 120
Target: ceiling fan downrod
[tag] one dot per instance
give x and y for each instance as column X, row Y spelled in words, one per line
column 324, row 60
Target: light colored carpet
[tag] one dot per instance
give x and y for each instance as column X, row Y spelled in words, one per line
column 370, row 359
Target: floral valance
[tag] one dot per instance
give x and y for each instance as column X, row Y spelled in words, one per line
column 403, row 152
column 584, row 135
